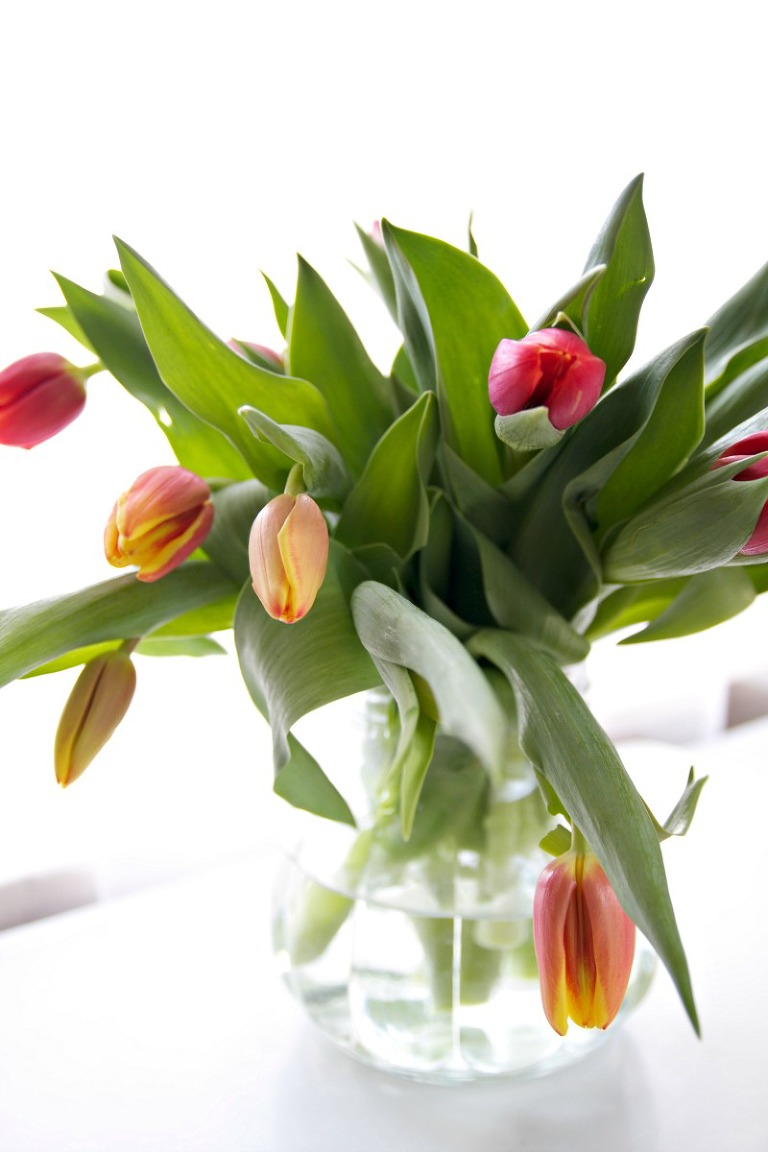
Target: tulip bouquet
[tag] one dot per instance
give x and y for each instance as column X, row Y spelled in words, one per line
column 458, row 529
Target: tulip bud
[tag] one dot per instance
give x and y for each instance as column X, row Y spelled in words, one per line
column 39, row 395
column 584, row 943
column 260, row 354
column 288, row 553
column 99, row 700
column 551, row 368
column 757, row 544
column 161, row 519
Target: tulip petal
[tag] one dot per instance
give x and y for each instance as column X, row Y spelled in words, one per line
column 303, row 542
column 98, row 702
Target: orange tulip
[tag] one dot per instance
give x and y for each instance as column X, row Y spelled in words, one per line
column 584, row 943
column 159, row 521
column 288, row 553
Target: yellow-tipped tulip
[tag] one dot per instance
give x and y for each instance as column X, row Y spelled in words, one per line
column 159, row 521
column 99, row 700
column 288, row 553
column 584, row 943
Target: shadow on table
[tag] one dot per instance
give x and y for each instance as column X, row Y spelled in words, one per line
column 599, row 1104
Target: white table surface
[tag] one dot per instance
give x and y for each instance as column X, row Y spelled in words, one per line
column 156, row 1021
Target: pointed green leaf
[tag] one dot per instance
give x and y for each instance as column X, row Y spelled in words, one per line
column 680, row 818
column 282, row 311
column 613, row 308
column 291, row 669
column 381, row 273
column 236, row 506
column 416, row 740
column 573, row 302
column 116, row 609
column 65, row 318
column 114, row 333
column 738, row 323
column 324, row 348
column 396, row 631
column 323, row 470
column 744, row 396
column 704, row 601
column 211, row 379
column 389, row 505
column 698, row 527
column 568, row 747
column 673, row 429
column 442, row 295
column 302, row 782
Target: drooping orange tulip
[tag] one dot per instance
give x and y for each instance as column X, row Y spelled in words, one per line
column 584, row 942
column 159, row 521
column 288, row 553
column 98, row 702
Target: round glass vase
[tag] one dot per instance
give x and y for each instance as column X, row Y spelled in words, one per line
column 417, row 955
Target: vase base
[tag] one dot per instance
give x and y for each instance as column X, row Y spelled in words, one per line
column 389, row 1030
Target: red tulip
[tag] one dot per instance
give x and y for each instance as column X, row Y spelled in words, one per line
column 39, row 395
column 757, row 544
column 288, row 553
column 584, row 943
column 553, row 368
column 159, row 521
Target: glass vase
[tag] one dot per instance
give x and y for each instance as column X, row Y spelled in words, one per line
column 417, row 955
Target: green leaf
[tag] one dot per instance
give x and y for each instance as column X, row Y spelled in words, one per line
column 65, row 318
column 381, row 273
column 389, row 505
column 443, row 295
column 416, row 742
column 302, row 782
column 214, row 381
column 182, row 646
column 553, row 543
column 679, row 820
column 325, row 476
column 528, row 431
column 673, row 429
column 291, row 669
column 612, row 310
column 114, row 333
column 518, row 606
column 693, row 529
column 557, row 841
column 324, row 347
column 282, row 311
column 116, row 609
column 738, row 323
column 236, row 506
column 568, row 747
column 704, row 601
column 395, row 631
column 573, row 302
column 744, row 396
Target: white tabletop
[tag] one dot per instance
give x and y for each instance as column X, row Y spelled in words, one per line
column 156, row 1021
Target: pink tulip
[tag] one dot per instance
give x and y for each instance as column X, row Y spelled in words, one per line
column 552, row 368
column 99, row 700
column 159, row 521
column 584, row 943
column 288, row 552
column 757, row 544
column 274, row 359
column 39, row 395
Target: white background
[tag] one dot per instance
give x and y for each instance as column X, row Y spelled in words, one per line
column 220, row 138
